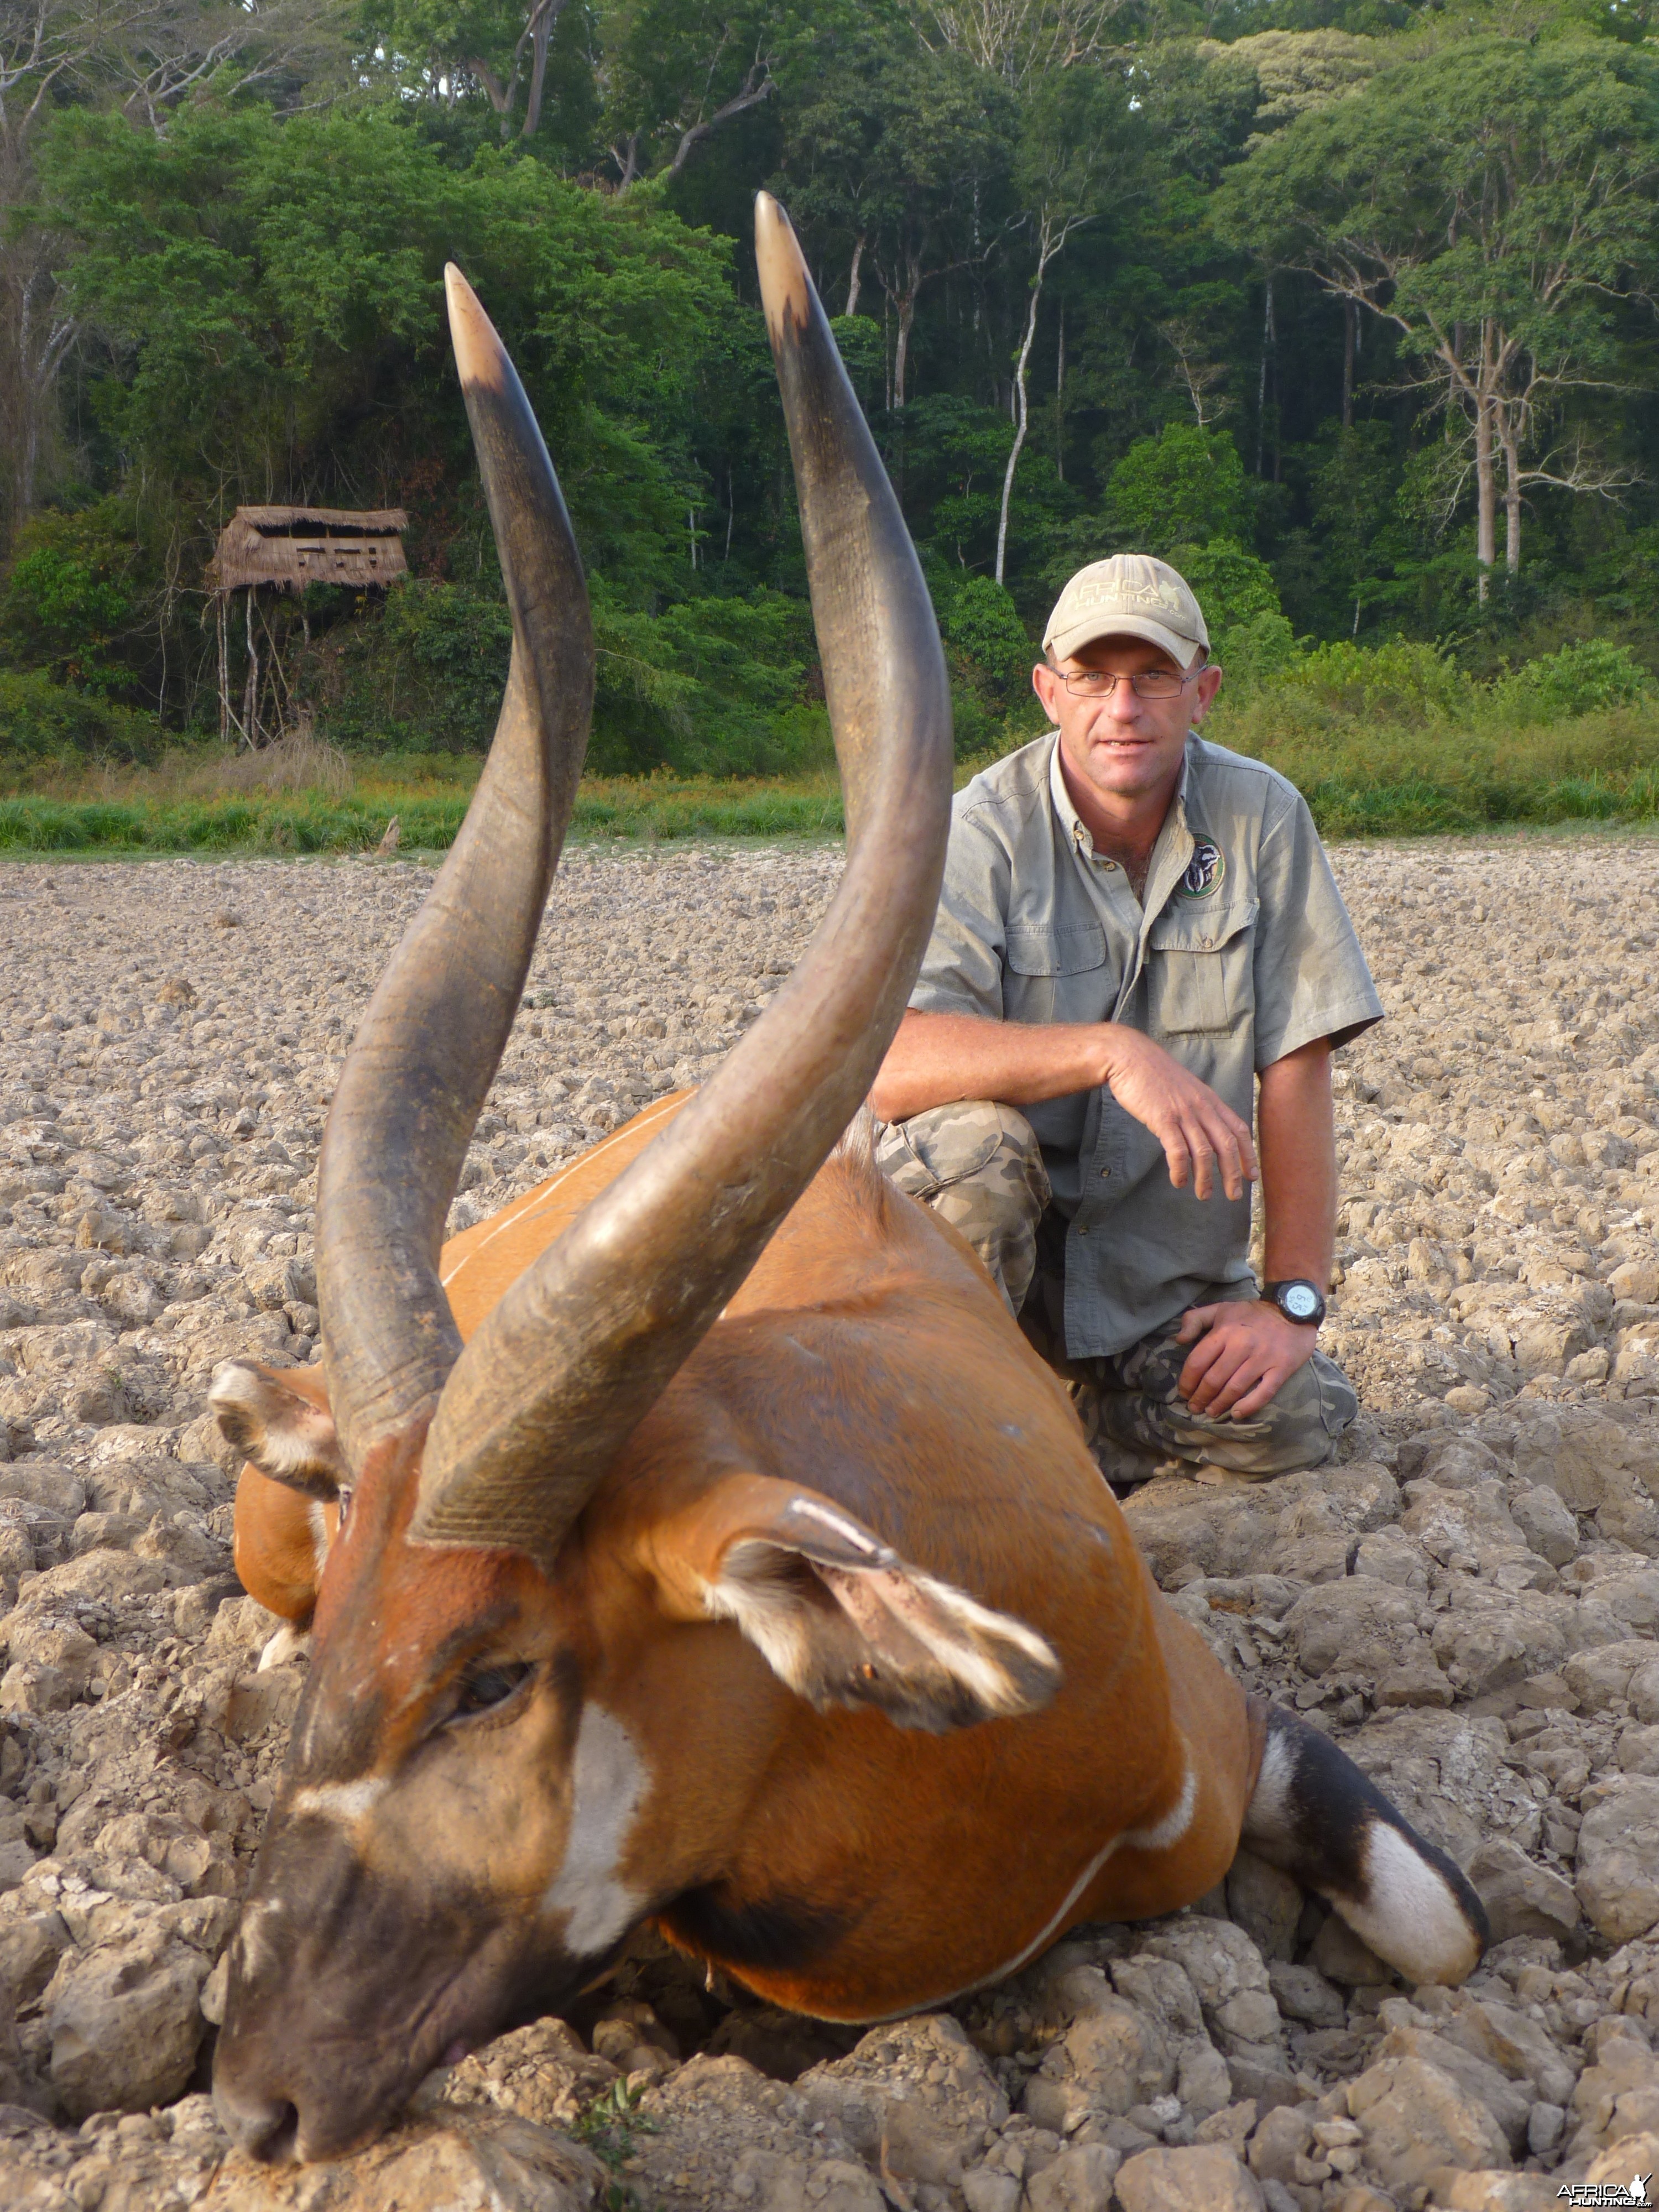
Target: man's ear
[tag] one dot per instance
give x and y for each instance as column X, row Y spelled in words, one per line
column 278, row 1419
column 839, row 1616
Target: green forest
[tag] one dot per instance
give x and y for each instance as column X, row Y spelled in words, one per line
column 1348, row 307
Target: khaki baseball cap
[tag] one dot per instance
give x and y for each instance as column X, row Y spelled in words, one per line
column 1131, row 595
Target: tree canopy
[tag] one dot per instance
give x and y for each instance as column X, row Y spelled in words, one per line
column 1346, row 307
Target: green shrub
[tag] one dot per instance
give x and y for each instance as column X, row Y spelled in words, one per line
column 1585, row 678
column 1182, row 487
column 69, row 595
column 1249, row 633
column 1409, row 682
column 423, row 674
column 41, row 720
column 979, row 617
column 708, row 687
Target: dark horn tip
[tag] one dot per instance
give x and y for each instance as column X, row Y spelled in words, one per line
column 479, row 354
column 784, row 281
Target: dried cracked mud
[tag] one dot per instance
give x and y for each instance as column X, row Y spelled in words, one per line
column 1468, row 1601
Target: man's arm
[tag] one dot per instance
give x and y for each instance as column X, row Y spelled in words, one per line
column 937, row 1059
column 1297, row 1130
column 1243, row 1354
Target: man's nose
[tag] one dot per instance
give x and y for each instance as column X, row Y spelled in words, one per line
column 1122, row 705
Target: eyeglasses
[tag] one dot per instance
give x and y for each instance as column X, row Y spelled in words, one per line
column 1151, row 683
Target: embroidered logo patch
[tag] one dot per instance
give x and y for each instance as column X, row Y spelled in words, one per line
column 1206, row 871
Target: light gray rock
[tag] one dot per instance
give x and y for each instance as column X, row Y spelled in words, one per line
column 1078, row 2181
column 1266, row 1903
column 1546, row 1521
column 1110, row 2060
column 1231, row 1978
column 126, row 2026
column 772, row 2181
column 1618, row 1860
column 1205, row 2178
column 1356, row 1627
column 1416, row 2118
column 1521, row 1896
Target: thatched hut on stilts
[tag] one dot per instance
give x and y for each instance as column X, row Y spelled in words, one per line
column 284, row 548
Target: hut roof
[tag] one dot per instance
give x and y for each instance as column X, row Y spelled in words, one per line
column 292, row 546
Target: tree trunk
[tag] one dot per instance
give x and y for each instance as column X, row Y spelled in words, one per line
column 223, row 628
column 757, row 85
column 1485, row 488
column 1021, row 406
column 1511, row 450
column 533, row 113
column 1485, row 462
column 1059, row 397
column 853, row 275
column 906, row 316
column 1261, row 381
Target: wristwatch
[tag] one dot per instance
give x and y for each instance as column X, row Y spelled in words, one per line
column 1298, row 1300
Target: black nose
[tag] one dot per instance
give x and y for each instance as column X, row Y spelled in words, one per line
column 267, row 2128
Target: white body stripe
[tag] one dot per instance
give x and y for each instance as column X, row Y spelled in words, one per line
column 344, row 1801
column 522, row 1210
column 1174, row 1825
column 608, row 1783
column 1160, row 1837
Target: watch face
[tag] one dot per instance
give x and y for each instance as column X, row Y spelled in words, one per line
column 1300, row 1301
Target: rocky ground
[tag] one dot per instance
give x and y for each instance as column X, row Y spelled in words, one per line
column 1468, row 1602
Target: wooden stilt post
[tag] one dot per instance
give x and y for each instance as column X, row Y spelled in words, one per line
column 222, row 600
column 250, row 689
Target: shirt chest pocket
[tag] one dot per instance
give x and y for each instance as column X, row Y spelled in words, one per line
column 1198, row 974
column 1054, row 975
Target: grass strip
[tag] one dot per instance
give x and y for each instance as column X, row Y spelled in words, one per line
column 1467, row 790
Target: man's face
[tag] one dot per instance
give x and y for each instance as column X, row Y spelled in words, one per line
column 1121, row 745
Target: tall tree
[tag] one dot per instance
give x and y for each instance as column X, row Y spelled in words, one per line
column 905, row 154
column 150, row 58
column 675, row 72
column 1019, row 40
column 1491, row 203
column 1070, row 132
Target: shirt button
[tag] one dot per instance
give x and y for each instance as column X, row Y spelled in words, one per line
column 1105, row 1174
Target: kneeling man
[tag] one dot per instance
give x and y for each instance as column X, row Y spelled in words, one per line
column 1138, row 938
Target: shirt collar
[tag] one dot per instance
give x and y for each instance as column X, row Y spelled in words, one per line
column 1077, row 831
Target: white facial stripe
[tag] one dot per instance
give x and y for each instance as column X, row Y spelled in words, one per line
column 1174, row 1825
column 608, row 1781
column 344, row 1801
column 252, row 1939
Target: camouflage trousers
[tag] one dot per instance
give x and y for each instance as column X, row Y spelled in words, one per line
column 978, row 1166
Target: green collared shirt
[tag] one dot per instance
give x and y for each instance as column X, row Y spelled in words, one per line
column 1242, row 952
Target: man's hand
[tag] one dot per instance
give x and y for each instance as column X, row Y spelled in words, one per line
column 1244, row 1351
column 1198, row 1131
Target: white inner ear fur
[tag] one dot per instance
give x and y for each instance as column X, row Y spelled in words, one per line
column 285, row 1436
column 762, row 1589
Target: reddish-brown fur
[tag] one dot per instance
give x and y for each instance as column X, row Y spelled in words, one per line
column 868, row 1357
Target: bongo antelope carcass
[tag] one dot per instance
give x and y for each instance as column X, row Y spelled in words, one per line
column 719, row 1553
